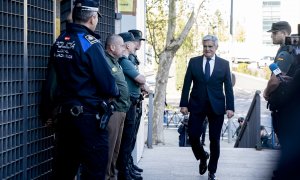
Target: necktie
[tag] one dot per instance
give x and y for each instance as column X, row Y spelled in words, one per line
column 207, row 69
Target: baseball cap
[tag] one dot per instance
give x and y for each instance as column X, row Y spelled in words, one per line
column 88, row 5
column 279, row 26
column 138, row 35
column 127, row 36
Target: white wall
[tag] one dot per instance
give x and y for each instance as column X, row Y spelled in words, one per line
column 136, row 22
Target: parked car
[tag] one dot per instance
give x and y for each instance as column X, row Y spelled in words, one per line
column 241, row 60
column 265, row 61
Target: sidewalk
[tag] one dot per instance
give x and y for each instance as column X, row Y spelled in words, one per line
column 171, row 162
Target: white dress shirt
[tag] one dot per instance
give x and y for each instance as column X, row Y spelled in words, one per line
column 211, row 64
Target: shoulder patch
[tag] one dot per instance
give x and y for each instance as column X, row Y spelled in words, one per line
column 91, row 39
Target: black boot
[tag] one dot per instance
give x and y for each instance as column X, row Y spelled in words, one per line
column 132, row 170
column 137, row 168
column 134, row 166
column 134, row 175
column 124, row 175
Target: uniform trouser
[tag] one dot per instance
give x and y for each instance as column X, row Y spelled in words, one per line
column 79, row 141
column 137, row 123
column 275, row 123
column 115, row 130
column 195, row 130
column 289, row 162
column 125, row 148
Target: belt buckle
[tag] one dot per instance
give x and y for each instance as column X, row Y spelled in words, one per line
column 76, row 110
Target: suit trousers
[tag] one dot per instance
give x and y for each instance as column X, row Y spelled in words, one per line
column 115, row 130
column 195, row 129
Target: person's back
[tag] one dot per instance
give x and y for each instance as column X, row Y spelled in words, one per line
column 73, row 64
column 83, row 83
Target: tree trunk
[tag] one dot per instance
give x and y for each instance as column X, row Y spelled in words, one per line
column 165, row 61
column 160, row 95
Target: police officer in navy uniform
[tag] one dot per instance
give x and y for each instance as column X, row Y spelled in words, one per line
column 138, row 36
column 81, row 81
column 284, row 59
column 134, row 81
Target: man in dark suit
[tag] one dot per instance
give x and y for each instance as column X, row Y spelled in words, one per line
column 208, row 73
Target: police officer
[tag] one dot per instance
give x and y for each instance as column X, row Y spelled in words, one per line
column 138, row 36
column 284, row 59
column 82, row 81
column 289, row 162
column 114, row 50
column 134, row 81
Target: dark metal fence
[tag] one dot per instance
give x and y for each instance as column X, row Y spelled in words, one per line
column 26, row 35
column 249, row 136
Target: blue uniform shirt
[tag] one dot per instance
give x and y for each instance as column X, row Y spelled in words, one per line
column 82, row 73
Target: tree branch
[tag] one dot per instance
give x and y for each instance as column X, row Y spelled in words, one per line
column 178, row 41
column 171, row 22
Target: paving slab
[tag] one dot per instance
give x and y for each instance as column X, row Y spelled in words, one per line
column 171, row 162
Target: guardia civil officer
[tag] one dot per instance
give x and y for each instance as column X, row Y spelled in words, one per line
column 284, row 59
column 114, row 50
column 138, row 36
column 81, row 81
column 134, row 81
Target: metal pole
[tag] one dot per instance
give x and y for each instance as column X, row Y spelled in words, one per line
column 229, row 130
column 150, row 121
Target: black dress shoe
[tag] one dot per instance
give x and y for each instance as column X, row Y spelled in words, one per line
column 203, row 164
column 211, row 176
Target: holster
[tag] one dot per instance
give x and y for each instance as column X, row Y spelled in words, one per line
column 104, row 114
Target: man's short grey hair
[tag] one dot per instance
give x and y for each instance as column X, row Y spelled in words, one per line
column 82, row 15
column 111, row 39
column 211, row 38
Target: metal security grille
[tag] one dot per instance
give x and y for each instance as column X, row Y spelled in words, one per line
column 26, row 35
column 106, row 25
column 39, row 140
column 107, row 22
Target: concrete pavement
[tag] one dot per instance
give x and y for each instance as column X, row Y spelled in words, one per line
column 170, row 162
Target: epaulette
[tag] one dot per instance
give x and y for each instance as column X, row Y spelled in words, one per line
column 133, row 58
column 91, row 39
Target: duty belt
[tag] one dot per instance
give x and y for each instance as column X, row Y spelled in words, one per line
column 134, row 100
column 73, row 110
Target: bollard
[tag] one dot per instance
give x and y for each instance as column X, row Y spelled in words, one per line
column 229, row 130
column 150, row 121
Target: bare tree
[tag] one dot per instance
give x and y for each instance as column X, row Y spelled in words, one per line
column 165, row 54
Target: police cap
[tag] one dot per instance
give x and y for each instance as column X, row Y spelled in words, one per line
column 127, row 36
column 138, row 35
column 281, row 25
column 88, row 5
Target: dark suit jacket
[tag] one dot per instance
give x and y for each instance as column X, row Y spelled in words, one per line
column 220, row 75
